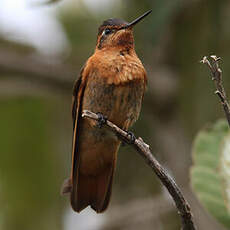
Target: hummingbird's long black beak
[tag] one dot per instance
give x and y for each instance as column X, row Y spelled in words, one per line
column 134, row 22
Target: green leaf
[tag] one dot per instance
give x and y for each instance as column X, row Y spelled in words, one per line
column 210, row 173
column 225, row 169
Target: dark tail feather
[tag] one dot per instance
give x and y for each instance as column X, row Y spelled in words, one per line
column 93, row 190
column 104, row 188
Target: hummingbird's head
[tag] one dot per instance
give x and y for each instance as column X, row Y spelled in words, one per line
column 117, row 33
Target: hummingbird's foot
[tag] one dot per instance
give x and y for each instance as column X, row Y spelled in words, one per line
column 101, row 120
column 132, row 137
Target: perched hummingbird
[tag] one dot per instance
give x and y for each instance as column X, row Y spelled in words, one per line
column 111, row 83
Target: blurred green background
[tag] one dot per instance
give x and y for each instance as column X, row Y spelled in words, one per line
column 42, row 48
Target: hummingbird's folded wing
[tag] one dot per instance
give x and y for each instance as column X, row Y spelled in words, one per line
column 78, row 90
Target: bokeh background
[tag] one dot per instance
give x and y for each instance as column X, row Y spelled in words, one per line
column 42, row 48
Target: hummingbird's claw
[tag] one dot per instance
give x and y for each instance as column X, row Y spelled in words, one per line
column 101, row 120
column 132, row 137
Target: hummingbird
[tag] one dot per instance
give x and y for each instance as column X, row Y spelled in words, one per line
column 111, row 83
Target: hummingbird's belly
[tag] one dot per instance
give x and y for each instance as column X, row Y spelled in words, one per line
column 121, row 104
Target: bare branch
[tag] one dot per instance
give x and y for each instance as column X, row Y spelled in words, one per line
column 217, row 78
column 144, row 150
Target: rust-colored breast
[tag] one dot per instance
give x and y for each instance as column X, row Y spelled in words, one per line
column 117, row 67
column 115, row 86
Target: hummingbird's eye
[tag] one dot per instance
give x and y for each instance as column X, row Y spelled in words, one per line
column 107, row 31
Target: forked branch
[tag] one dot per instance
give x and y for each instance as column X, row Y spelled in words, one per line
column 144, row 150
column 217, row 78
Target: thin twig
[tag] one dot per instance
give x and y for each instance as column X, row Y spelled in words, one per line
column 217, row 78
column 144, row 150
